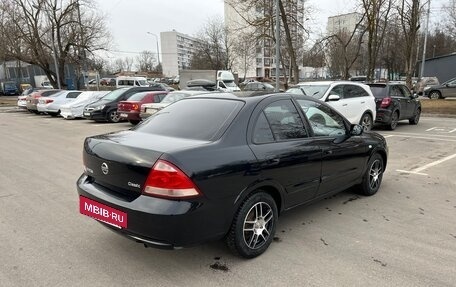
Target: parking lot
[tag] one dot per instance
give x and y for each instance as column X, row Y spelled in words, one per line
column 403, row 236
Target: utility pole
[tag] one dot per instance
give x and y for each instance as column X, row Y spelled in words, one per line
column 82, row 45
column 277, row 55
column 425, row 39
column 158, row 51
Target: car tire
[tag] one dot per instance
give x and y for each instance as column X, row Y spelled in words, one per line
column 372, row 178
column 254, row 225
column 54, row 114
column 134, row 122
column 416, row 117
column 394, row 120
column 434, row 95
column 366, row 122
column 113, row 116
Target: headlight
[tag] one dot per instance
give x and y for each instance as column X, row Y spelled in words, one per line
column 426, row 88
column 99, row 108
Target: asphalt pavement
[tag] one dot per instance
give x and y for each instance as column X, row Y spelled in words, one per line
column 403, row 236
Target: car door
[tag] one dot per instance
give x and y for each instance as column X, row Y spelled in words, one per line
column 411, row 102
column 351, row 103
column 285, row 152
column 398, row 95
column 449, row 90
column 343, row 156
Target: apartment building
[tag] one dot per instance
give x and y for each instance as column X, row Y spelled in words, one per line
column 345, row 23
column 176, row 51
column 261, row 61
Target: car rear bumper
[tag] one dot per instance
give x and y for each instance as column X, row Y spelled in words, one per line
column 158, row 222
column 383, row 116
column 129, row 116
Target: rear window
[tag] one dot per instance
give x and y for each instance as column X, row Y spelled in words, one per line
column 199, row 119
column 138, row 96
column 114, row 94
column 379, row 91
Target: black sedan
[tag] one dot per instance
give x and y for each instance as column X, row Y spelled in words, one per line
column 394, row 102
column 105, row 109
column 222, row 166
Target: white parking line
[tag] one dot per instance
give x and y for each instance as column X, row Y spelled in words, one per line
column 419, row 169
column 433, row 137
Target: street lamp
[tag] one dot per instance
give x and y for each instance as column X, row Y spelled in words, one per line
column 54, row 53
column 158, row 51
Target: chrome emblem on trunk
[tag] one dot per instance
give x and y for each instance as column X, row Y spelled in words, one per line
column 104, row 168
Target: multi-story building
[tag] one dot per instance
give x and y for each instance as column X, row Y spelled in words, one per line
column 177, row 50
column 261, row 60
column 345, row 23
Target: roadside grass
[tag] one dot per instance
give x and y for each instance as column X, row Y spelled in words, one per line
column 8, row 101
column 447, row 107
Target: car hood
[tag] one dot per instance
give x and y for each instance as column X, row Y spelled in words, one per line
column 99, row 103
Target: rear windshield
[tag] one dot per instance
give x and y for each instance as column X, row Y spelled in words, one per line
column 199, row 119
column 114, row 94
column 379, row 91
column 173, row 97
column 138, row 96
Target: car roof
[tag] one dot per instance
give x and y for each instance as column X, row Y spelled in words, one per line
column 254, row 97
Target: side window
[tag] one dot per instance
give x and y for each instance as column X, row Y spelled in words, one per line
column 262, row 132
column 352, row 91
column 405, row 91
column 397, row 92
column 284, row 120
column 338, row 91
column 72, row 95
column 323, row 120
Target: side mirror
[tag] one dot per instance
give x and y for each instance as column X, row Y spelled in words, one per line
column 356, row 130
column 333, row 98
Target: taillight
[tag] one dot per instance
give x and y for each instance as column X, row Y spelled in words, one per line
column 48, row 101
column 166, row 180
column 135, row 107
column 386, row 102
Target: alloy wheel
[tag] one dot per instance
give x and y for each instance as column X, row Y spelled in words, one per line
column 366, row 122
column 258, row 226
column 114, row 117
column 375, row 174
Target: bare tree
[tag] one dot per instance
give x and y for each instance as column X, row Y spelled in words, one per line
column 119, row 65
column 146, row 61
column 409, row 15
column 128, row 62
column 377, row 13
column 34, row 26
column 260, row 15
column 344, row 49
column 213, row 50
column 451, row 18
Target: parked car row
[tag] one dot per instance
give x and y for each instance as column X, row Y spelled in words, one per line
column 382, row 104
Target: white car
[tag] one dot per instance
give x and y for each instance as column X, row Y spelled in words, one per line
column 74, row 109
column 51, row 105
column 353, row 100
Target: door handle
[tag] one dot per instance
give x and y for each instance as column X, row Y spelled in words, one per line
column 363, row 102
column 273, row 161
column 344, row 105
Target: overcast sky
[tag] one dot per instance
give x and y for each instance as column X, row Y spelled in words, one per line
column 130, row 20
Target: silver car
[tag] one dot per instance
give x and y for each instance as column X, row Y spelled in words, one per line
column 74, row 109
column 51, row 105
column 149, row 109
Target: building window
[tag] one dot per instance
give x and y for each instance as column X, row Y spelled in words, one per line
column 267, row 62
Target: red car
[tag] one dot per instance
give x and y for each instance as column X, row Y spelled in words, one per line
column 129, row 110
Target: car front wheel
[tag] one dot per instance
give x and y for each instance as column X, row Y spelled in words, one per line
column 253, row 226
column 113, row 117
column 373, row 176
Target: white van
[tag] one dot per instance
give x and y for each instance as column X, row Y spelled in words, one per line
column 125, row 82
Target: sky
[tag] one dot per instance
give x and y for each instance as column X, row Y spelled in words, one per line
column 130, row 20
